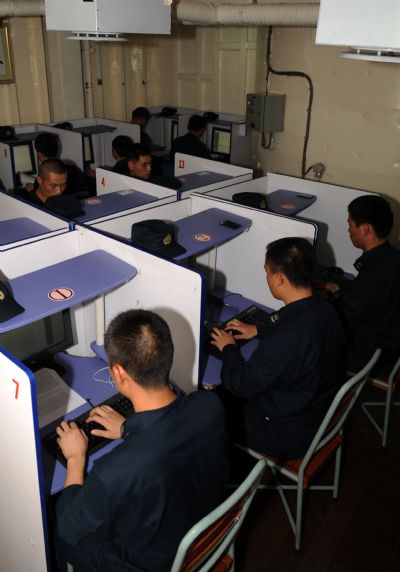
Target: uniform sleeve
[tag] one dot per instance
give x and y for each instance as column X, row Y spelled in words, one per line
column 358, row 300
column 250, row 379
column 82, row 511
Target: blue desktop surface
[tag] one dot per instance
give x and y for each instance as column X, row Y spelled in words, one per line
column 15, row 229
column 289, row 203
column 111, row 203
column 65, row 284
column 192, row 181
column 202, row 231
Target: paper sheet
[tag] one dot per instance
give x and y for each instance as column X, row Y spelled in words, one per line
column 54, row 397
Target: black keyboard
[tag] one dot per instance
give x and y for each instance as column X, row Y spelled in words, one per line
column 253, row 315
column 117, row 402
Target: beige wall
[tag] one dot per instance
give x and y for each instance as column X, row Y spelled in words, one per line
column 355, row 118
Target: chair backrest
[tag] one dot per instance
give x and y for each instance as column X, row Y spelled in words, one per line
column 211, row 538
column 340, row 408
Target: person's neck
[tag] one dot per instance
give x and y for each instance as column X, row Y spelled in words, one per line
column 296, row 294
column 374, row 243
column 147, row 400
column 40, row 195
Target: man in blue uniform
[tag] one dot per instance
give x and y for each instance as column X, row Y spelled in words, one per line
column 139, row 500
column 191, row 143
column 369, row 305
column 277, row 399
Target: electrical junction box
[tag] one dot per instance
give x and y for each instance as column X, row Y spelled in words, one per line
column 102, row 17
column 265, row 113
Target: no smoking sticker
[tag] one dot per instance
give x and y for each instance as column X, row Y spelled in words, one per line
column 93, row 201
column 288, row 206
column 60, row 294
column 202, row 237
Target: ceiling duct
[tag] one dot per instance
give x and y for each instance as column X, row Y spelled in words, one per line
column 371, row 28
column 108, row 19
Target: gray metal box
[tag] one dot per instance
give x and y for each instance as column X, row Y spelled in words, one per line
column 265, row 112
column 109, row 16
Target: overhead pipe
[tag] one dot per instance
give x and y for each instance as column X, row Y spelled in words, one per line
column 14, row 8
column 208, row 14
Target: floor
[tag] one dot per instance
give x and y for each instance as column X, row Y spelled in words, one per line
column 358, row 532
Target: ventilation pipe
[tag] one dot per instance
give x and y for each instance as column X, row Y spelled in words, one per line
column 246, row 13
column 14, row 8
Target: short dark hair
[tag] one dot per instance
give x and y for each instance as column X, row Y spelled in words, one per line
column 197, row 123
column 294, row 257
column 140, row 341
column 52, row 166
column 136, row 151
column 122, row 144
column 373, row 210
column 47, row 144
column 141, row 113
column 67, row 125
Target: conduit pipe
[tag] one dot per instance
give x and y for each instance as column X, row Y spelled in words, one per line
column 248, row 15
column 13, row 8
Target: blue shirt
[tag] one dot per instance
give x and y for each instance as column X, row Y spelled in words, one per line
column 139, row 500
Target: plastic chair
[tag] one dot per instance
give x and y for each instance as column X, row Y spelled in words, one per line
column 389, row 384
column 326, row 443
column 209, row 545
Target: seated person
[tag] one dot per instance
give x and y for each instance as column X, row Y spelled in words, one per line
column 191, row 143
column 140, row 167
column 120, row 149
column 277, row 399
column 139, row 500
column 52, row 181
column 141, row 116
column 47, row 147
column 369, row 305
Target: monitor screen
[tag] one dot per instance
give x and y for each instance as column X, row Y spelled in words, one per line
column 23, row 158
column 174, row 130
column 35, row 344
column 221, row 141
column 88, row 156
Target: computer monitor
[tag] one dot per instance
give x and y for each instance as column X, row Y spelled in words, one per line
column 23, row 158
column 174, row 130
column 88, row 155
column 37, row 343
column 221, row 141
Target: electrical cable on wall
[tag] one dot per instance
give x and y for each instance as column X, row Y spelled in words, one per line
column 270, row 69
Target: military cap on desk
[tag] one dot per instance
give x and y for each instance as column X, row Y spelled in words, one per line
column 255, row 200
column 156, row 236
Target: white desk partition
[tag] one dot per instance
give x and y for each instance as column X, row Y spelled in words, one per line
column 21, row 223
column 160, row 129
column 8, row 168
column 172, row 291
column 203, row 175
column 329, row 211
column 71, row 143
column 240, row 262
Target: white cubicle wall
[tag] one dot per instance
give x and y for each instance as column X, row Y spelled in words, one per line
column 23, row 133
column 329, row 211
column 168, row 289
column 160, row 127
column 21, row 223
column 71, row 141
column 238, row 265
column 187, row 166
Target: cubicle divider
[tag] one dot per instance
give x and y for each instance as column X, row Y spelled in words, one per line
column 71, row 143
column 17, row 156
column 204, row 175
column 328, row 210
column 21, row 223
column 102, row 278
column 164, row 129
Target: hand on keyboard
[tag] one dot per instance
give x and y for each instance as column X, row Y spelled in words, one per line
column 221, row 338
column 110, row 419
column 240, row 330
column 72, row 440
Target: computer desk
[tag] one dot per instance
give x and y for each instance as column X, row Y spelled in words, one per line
column 289, row 203
column 15, row 229
column 111, row 203
column 203, row 231
column 218, row 312
column 192, row 181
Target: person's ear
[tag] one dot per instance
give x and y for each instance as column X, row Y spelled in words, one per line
column 39, row 179
column 118, row 373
